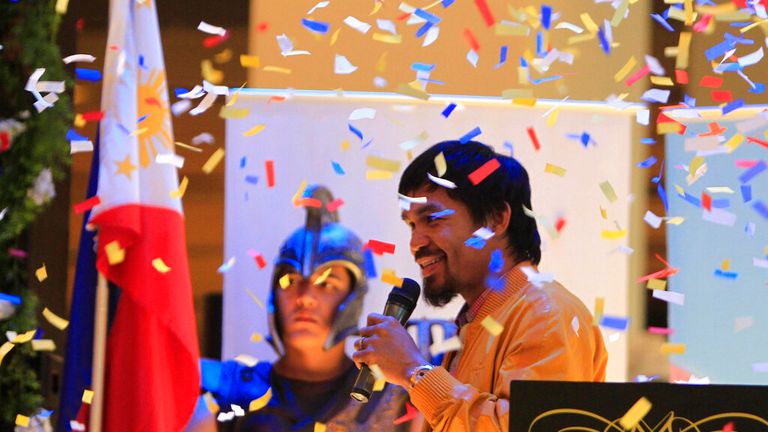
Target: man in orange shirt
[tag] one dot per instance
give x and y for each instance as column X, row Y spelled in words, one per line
column 471, row 237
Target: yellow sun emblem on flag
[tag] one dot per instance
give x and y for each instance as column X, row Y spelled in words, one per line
column 155, row 125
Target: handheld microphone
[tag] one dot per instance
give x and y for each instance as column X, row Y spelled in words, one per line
column 400, row 304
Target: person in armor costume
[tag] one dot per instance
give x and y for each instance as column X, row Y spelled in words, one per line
column 315, row 302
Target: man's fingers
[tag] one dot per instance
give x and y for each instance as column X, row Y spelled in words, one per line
column 375, row 318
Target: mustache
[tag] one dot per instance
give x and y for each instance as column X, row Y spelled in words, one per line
column 421, row 253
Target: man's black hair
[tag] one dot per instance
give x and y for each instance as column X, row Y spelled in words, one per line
column 507, row 184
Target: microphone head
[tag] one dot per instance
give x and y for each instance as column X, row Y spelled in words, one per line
column 407, row 294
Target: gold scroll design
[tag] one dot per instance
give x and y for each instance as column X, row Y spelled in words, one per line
column 665, row 425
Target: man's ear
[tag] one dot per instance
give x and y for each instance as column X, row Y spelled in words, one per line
column 498, row 221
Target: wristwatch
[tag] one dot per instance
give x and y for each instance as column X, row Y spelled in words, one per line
column 418, row 373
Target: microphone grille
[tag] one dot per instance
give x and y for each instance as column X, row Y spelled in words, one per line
column 408, row 291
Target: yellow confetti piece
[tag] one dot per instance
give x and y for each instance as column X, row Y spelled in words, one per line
column 720, row 189
column 284, row 281
column 277, row 69
column 223, row 57
column 389, row 277
column 751, row 26
column 249, row 60
column 79, row 121
column 662, row 81
column 529, row 102
column 409, row 90
column 388, row 38
column 22, row 420
column 552, row 117
column 320, row 427
column 689, row 15
column 588, row 23
column 734, row 142
column 334, row 37
column 256, row 337
column 210, row 403
column 501, row 29
column 608, row 191
column 633, row 416
column 115, row 254
column 672, row 348
column 228, row 112
column 345, row 145
column 668, row 127
column 209, row 73
column 214, row 160
column 188, row 147
column 492, row 326
column 597, row 315
column 43, row 345
column 683, row 45
column 440, row 165
column 323, row 276
column 624, row 71
column 378, row 175
column 613, row 234
column 656, row 284
column 62, row 6
column 55, row 320
column 4, row 350
column 677, row 220
column 236, row 95
column 255, row 299
column 261, row 402
column 87, row 396
column 554, row 169
column 603, row 213
column 299, row 193
column 41, row 274
column 178, row 193
column 726, row 264
column 381, row 63
column 160, row 266
column 382, row 164
column 254, row 130
column 380, row 382
column 619, row 13
column 24, row 337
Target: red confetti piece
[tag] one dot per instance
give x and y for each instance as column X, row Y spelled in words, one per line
column 758, row 141
column 153, row 101
column 276, row 99
column 379, row 247
column 663, row 118
column 410, row 414
column 660, row 330
column 310, row 202
column 745, row 163
column 403, row 17
column 17, row 253
column 258, row 257
column 560, row 224
column 80, row 24
column 262, row 26
column 485, row 11
column 681, row 76
column 728, row 427
column 706, row 201
column 471, row 39
column 93, row 115
column 721, row 96
column 703, row 23
column 335, row 204
column 5, row 141
column 212, row 41
column 714, row 129
column 711, row 81
column 534, row 139
column 637, row 75
column 270, row 167
column 86, row 205
column 484, row 171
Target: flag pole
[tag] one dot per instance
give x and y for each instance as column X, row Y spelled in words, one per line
column 99, row 354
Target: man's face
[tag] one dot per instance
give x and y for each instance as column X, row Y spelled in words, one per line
column 448, row 266
column 306, row 307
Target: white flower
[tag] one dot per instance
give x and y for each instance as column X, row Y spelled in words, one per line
column 43, row 190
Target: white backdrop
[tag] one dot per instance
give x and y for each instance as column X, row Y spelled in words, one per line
column 304, row 134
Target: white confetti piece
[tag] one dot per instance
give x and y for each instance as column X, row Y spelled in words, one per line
column 356, row 24
column 363, row 113
column 652, row 220
column 431, row 36
column 203, row 138
column 320, row 5
column 669, row 297
column 211, row 29
column 342, row 66
column 472, row 57
column 386, row 25
column 170, row 159
column 442, row 182
column 82, row 58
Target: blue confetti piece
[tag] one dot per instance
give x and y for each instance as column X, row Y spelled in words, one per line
column 502, row 57
column 469, row 135
column 718, row 50
column 141, row 61
column 692, row 199
column 475, row 242
column 746, row 193
column 315, row 26
column 726, row 275
column 494, row 282
column 10, row 298
column 738, row 39
column 180, row 91
column 729, row 67
column 367, row 144
column 721, row 203
column 523, row 62
column 433, row 81
column 423, row 29
column 603, row 41
column 370, row 265
column 540, row 51
column 657, row 179
column 497, row 261
column 585, row 139
column 337, row 168
column 447, row 3
column 733, row 106
column 511, row 148
column 142, row 118
column 663, row 195
column 760, row 208
column 430, row 18
column 424, row 67
column 616, row 323
column 45, row 414
column 87, row 74
column 448, row 110
column 546, row 16
column 252, row 179
column 749, row 174
column 648, row 141
column 647, row 163
column 749, row 229
column 442, row 214
column 759, row 88
column 660, row 19
column 690, row 101
column 355, row 131
column 72, row 135
column 243, row 161
column 543, row 80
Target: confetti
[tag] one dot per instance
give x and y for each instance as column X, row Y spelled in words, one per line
column 356, row 24
column 211, row 29
column 440, row 164
column 178, row 193
column 22, row 420
column 492, row 326
column 87, row 396
column 41, row 273
column 319, row 427
column 534, row 138
column 624, row 71
column 270, row 168
column 410, row 413
column 382, row 164
column 5, row 349
column 160, row 266
column 636, row 413
column 470, row 135
column 213, row 161
column 478, row 175
column 390, row 278
column 616, row 323
column 656, row 284
column 87, row 74
column 335, row 204
column 380, row 247
column 315, row 26
column 55, row 320
column 227, row 265
column 672, row 348
column 254, row 130
column 260, row 402
column 43, row 345
column 669, row 296
column 249, row 60
column 342, row 66
column 608, row 191
column 554, row 169
column 115, row 253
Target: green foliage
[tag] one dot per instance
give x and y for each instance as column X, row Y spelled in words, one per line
column 28, row 34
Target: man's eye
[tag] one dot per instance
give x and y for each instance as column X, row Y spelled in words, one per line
column 433, row 219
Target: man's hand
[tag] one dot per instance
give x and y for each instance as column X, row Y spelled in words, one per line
column 388, row 345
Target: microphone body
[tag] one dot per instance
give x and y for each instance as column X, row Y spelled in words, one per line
column 400, row 304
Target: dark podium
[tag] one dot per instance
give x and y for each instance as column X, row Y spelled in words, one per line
column 552, row 406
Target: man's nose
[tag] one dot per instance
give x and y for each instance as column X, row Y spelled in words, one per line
column 418, row 240
column 306, row 295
